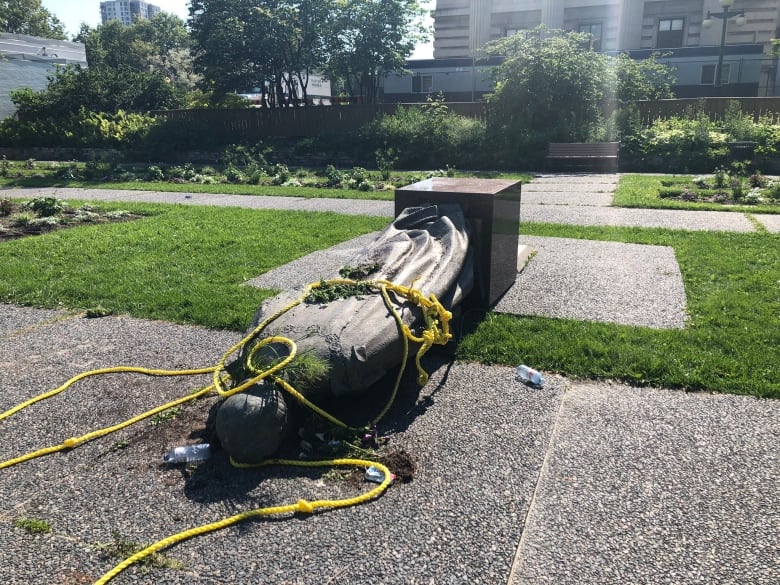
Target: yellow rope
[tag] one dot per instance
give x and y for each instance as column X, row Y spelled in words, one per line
column 436, row 331
column 301, row 506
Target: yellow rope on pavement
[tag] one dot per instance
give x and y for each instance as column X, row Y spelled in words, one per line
column 436, row 331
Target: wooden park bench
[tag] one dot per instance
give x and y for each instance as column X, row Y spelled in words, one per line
column 585, row 156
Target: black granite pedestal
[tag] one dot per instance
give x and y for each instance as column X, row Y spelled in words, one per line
column 492, row 206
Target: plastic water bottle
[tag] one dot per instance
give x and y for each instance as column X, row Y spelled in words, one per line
column 188, row 454
column 529, row 375
column 375, row 474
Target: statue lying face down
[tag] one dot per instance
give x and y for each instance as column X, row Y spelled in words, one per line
column 347, row 332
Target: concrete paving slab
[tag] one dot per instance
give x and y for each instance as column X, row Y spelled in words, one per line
column 613, row 282
column 588, row 178
column 630, row 284
column 478, row 452
column 618, row 216
column 567, row 197
column 770, row 222
column 655, row 486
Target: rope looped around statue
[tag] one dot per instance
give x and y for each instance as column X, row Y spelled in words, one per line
column 436, row 331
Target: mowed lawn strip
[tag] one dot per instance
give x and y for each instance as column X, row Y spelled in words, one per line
column 180, row 263
column 642, row 191
column 731, row 342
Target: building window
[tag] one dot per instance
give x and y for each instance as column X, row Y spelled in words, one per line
column 708, row 74
column 510, row 32
column 594, row 30
column 670, row 32
column 422, row 83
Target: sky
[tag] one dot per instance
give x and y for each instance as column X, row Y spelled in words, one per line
column 73, row 13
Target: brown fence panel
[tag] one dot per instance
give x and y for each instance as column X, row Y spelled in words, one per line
column 715, row 107
column 257, row 123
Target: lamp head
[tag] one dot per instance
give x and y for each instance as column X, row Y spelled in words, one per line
column 741, row 20
column 707, row 22
column 726, row 3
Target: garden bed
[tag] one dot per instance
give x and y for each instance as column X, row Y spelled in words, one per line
column 722, row 188
column 19, row 219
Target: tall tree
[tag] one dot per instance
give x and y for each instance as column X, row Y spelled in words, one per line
column 270, row 45
column 160, row 45
column 549, row 88
column 133, row 68
column 29, row 17
column 372, row 38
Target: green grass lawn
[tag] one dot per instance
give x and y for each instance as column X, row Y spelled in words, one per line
column 187, row 263
column 183, row 264
column 730, row 344
column 643, row 191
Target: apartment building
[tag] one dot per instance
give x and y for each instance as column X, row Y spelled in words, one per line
column 125, row 11
column 678, row 29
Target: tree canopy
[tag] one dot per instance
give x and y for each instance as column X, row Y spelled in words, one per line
column 134, row 68
column 373, row 38
column 552, row 87
column 29, row 17
column 274, row 45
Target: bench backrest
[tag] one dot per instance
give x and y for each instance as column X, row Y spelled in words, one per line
column 583, row 149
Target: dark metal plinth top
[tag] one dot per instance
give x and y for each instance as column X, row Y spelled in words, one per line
column 463, row 185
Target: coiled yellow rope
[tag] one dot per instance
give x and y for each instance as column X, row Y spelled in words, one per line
column 436, row 331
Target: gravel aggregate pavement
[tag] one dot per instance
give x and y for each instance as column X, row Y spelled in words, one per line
column 651, row 486
column 630, row 284
column 478, row 454
column 770, row 222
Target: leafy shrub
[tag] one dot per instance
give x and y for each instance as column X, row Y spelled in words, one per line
column 773, row 190
column 234, row 175
column 428, row 136
column 242, row 156
column 183, row 172
column 333, row 176
column 281, row 174
column 46, row 206
column 23, row 219
column 6, row 205
column 154, row 173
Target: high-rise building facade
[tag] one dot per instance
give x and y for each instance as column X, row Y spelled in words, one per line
column 125, row 11
column 676, row 28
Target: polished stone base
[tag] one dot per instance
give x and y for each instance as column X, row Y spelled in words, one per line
column 492, row 207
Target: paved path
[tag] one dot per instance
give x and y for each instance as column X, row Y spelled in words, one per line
column 576, row 200
column 576, row 482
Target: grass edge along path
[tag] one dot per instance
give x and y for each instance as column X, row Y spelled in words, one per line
column 184, row 264
column 731, row 342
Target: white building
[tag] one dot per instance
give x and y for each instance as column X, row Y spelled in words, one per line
column 125, row 11
column 27, row 61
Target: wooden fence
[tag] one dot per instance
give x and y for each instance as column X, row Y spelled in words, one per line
column 297, row 122
column 714, row 106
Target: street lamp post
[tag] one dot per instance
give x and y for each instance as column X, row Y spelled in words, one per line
column 725, row 15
